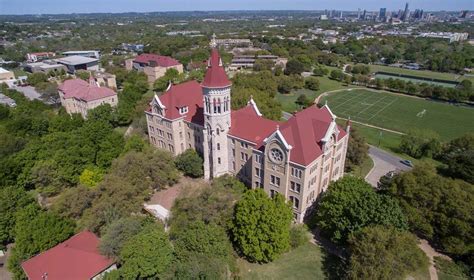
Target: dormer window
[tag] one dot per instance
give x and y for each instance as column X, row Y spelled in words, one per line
column 183, row 110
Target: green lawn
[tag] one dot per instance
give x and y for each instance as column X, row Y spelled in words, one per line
column 419, row 73
column 288, row 100
column 364, row 169
column 305, row 262
column 401, row 113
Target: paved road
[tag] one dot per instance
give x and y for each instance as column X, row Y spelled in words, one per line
column 384, row 162
column 29, row 92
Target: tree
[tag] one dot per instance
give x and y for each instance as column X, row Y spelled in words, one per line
column 171, row 76
column 420, row 143
column 190, row 163
column 337, row 74
column 130, row 181
column 320, row 71
column 357, row 150
column 115, row 235
column 351, row 204
column 211, row 204
column 72, row 202
column 13, row 200
column 311, row 83
column 294, row 66
column 384, row 253
column 437, row 208
column 303, row 101
column 204, row 239
column 91, row 176
column 261, row 226
column 458, row 155
column 36, row 231
column 299, row 235
column 36, row 78
column 148, row 254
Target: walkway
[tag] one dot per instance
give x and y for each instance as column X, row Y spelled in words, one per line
column 431, row 253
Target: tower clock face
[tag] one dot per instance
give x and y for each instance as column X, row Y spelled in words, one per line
column 276, row 155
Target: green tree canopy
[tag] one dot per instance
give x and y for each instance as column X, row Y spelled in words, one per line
column 351, row 204
column 437, row 208
column 261, row 226
column 420, row 143
column 458, row 155
column 13, row 200
column 357, row 150
column 190, row 163
column 36, row 231
column 384, row 253
column 148, row 254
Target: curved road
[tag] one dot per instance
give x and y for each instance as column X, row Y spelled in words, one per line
column 384, row 162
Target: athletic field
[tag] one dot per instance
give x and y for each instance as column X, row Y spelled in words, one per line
column 401, row 113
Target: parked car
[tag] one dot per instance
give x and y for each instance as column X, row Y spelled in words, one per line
column 407, row 162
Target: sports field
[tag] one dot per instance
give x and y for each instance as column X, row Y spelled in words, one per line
column 419, row 73
column 401, row 113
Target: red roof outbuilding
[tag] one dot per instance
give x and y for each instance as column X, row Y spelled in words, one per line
column 77, row 258
column 159, row 60
column 80, row 89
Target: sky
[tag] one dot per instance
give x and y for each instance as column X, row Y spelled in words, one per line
column 119, row 6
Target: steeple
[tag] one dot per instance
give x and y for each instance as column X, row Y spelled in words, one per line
column 215, row 74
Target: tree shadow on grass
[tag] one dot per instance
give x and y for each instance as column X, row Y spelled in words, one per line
column 334, row 267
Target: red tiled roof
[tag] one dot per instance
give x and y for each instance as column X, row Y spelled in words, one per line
column 75, row 258
column 303, row 131
column 186, row 94
column 160, row 60
column 248, row 125
column 83, row 90
column 215, row 74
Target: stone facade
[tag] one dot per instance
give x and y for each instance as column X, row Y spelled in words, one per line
column 78, row 96
column 297, row 158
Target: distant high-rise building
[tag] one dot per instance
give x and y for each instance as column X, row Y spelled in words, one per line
column 358, row 13
column 383, row 13
column 464, row 14
column 418, row 14
column 406, row 12
column 364, row 14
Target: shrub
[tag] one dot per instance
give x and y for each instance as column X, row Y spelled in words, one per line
column 190, row 163
column 299, row 235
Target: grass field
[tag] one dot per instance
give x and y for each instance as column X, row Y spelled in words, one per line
column 413, row 80
column 305, row 262
column 401, row 113
column 288, row 100
column 419, row 73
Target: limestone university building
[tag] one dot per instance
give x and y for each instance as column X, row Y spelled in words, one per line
column 296, row 158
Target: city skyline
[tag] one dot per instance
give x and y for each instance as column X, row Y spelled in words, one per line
column 122, row 6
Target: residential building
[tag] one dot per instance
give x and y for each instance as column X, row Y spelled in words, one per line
column 91, row 54
column 450, row 36
column 297, row 158
column 77, row 62
column 153, row 65
column 39, row 56
column 79, row 96
column 76, row 258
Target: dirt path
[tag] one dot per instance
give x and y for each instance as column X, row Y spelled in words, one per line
column 431, row 253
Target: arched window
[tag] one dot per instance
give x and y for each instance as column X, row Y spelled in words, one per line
column 295, row 202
